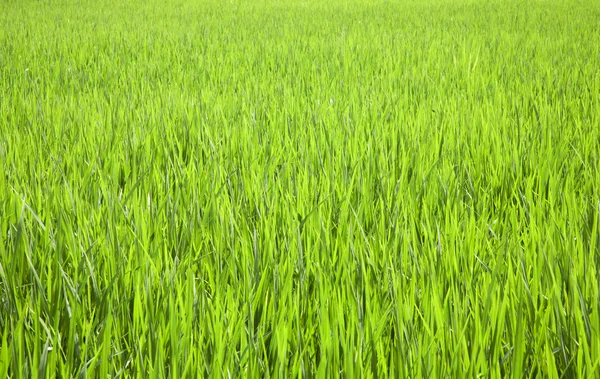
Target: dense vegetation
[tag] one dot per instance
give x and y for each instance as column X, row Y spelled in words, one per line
column 300, row 188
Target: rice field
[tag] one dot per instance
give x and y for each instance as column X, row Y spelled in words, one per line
column 300, row 188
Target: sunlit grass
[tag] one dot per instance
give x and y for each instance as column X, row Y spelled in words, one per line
column 318, row 189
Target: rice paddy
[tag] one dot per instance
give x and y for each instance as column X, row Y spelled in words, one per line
column 300, row 188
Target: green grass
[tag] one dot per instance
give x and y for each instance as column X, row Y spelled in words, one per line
column 303, row 189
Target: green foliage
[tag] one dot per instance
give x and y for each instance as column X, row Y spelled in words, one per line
column 273, row 189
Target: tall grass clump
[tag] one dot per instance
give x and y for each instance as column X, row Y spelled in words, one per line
column 299, row 188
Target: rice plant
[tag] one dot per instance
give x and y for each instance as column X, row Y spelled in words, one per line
column 299, row 188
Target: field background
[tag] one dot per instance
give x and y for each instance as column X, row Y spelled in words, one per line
column 300, row 188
